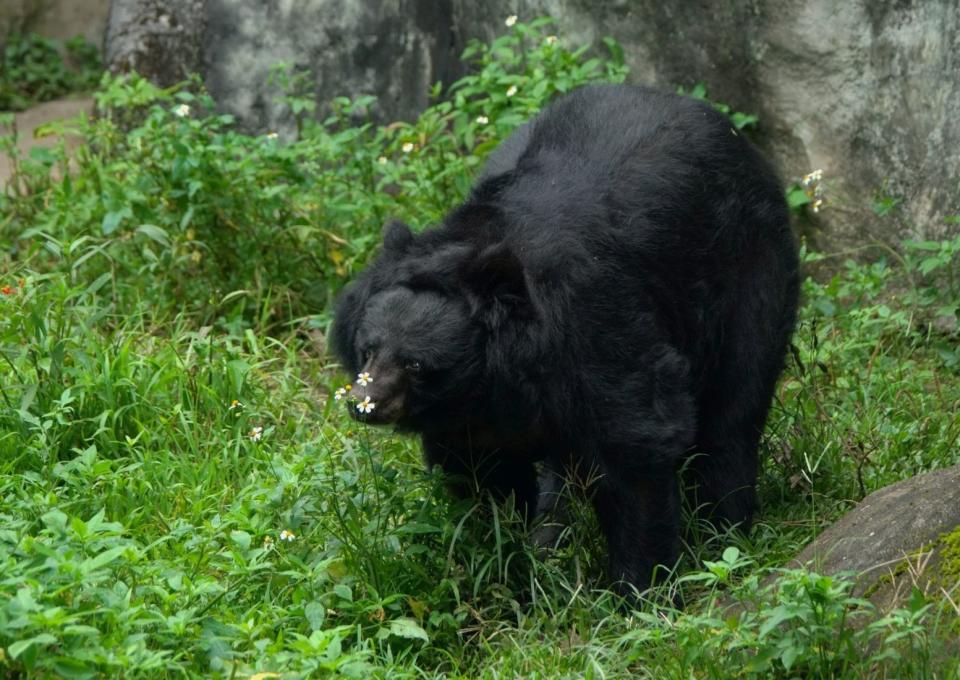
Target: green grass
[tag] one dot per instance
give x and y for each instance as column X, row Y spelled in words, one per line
column 141, row 519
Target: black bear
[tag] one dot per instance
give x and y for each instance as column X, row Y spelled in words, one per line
column 616, row 295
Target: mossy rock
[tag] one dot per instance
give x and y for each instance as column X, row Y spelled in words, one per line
column 900, row 538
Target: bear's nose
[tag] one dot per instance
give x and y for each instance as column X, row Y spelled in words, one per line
column 378, row 394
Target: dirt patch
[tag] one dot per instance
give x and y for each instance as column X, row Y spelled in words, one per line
column 28, row 121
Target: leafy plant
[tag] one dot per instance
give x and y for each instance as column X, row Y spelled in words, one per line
column 33, row 69
column 167, row 196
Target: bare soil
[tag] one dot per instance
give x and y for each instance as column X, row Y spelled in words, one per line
column 27, row 122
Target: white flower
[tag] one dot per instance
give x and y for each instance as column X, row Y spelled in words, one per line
column 340, row 393
column 817, row 204
column 287, row 535
column 511, row 20
column 551, row 40
column 366, row 406
column 482, row 120
column 256, row 433
column 271, row 135
column 235, row 404
column 407, row 148
column 182, row 111
column 364, row 379
column 382, row 160
column 512, row 90
column 812, row 178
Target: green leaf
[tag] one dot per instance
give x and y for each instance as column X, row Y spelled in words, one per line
column 775, row 617
column 237, row 372
column 154, row 233
column 112, row 220
column 315, row 613
column 789, row 655
column 101, row 560
column 19, row 647
column 241, row 538
column 409, row 629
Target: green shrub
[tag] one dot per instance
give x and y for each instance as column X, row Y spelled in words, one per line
column 33, row 70
column 189, row 212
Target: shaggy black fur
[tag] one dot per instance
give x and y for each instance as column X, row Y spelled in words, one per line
column 617, row 294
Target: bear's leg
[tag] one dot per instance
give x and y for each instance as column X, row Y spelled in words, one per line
column 640, row 516
column 550, row 515
column 721, row 477
column 502, row 472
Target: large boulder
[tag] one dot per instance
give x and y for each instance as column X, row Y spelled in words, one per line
column 56, row 19
column 865, row 90
column 905, row 535
column 160, row 39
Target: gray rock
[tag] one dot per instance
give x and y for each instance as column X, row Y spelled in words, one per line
column 56, row 19
column 159, row 39
column 896, row 531
column 395, row 50
column 866, row 90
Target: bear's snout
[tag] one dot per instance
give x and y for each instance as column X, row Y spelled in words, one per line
column 380, row 395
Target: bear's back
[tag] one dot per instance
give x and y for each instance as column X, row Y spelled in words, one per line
column 630, row 174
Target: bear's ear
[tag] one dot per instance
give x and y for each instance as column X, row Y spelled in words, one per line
column 497, row 275
column 397, row 237
column 346, row 320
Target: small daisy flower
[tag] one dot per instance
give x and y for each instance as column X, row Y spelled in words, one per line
column 812, row 184
column 551, row 40
column 341, row 393
column 366, row 406
column 511, row 20
column 256, row 433
column 812, row 178
column 271, row 135
column 364, row 379
column 235, row 405
column 267, row 542
column 182, row 111
column 287, row 536
column 382, row 160
column 512, row 90
column 482, row 120
column 407, row 148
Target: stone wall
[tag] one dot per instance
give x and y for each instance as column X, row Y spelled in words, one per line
column 56, row 19
column 867, row 90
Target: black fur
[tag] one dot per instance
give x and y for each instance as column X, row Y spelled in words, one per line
column 617, row 294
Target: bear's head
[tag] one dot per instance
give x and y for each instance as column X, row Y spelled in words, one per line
column 421, row 329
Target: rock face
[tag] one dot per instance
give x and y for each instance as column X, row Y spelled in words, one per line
column 394, row 49
column 906, row 534
column 160, row 39
column 56, row 19
column 866, row 90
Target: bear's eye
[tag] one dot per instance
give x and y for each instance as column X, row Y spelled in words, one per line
column 413, row 366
